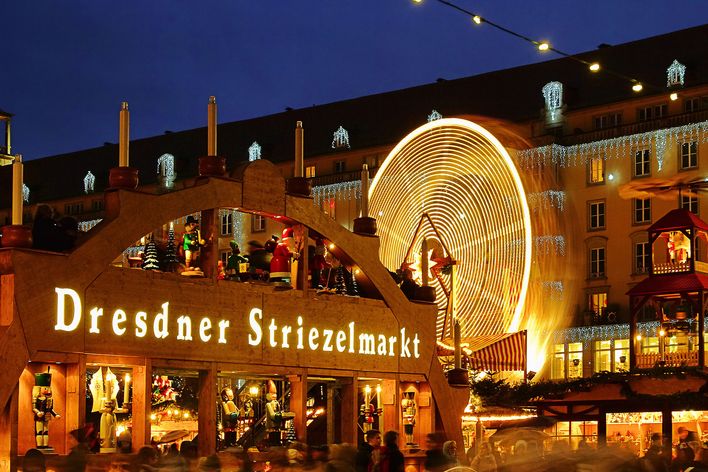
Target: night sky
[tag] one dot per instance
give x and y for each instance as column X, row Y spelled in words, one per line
column 69, row 64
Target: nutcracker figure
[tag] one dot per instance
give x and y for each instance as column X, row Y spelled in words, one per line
column 409, row 409
column 43, row 408
column 108, row 412
column 282, row 255
column 319, row 264
column 192, row 244
column 230, row 415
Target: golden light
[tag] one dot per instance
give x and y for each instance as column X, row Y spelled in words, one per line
column 367, row 389
column 416, row 267
column 673, row 96
column 662, row 333
column 331, row 246
column 637, row 87
column 254, row 390
column 595, row 66
column 446, row 168
column 127, row 378
column 477, row 19
column 543, row 46
column 185, row 415
column 153, row 417
column 639, row 337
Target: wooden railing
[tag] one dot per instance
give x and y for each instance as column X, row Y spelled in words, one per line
column 670, row 359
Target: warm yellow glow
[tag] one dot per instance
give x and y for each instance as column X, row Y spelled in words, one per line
column 120, row 429
column 444, row 168
column 595, row 66
column 543, row 46
column 417, row 1
column 639, row 337
column 497, row 418
column 416, row 267
column 185, row 415
column 477, row 19
column 331, row 246
column 637, row 87
column 662, row 332
column 127, row 379
column 254, row 390
column 367, row 389
column 153, row 417
column 673, row 96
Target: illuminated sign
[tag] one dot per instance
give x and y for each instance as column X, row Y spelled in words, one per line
column 262, row 331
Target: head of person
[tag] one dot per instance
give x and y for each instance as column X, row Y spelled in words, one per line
column 390, row 439
column 450, row 448
column 485, row 448
column 34, row 461
column 373, row 437
column 434, row 440
column 682, row 433
column 656, row 439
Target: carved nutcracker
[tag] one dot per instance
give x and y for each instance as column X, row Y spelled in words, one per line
column 43, row 408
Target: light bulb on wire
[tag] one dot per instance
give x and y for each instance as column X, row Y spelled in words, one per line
column 477, row 19
column 637, row 87
column 673, row 96
column 594, row 67
column 543, row 46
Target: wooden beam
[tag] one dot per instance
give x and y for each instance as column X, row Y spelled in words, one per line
column 350, row 412
column 298, row 405
column 8, row 433
column 207, row 411
column 141, row 404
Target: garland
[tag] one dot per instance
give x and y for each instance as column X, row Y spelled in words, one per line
column 496, row 392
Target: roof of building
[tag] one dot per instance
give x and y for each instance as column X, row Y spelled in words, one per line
column 384, row 119
column 678, row 218
column 670, row 283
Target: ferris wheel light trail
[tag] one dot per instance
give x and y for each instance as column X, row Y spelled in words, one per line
column 464, row 179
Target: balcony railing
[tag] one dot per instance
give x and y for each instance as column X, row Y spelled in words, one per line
column 669, row 359
column 672, row 267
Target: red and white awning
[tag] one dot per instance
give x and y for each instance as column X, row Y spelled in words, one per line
column 497, row 352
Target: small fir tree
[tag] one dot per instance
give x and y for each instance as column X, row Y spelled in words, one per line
column 170, row 260
column 340, row 285
column 150, row 261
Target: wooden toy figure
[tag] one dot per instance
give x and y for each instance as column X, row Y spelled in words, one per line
column 43, row 408
column 283, row 253
column 409, row 410
column 192, row 243
column 319, row 264
column 231, row 414
column 108, row 412
column 236, row 264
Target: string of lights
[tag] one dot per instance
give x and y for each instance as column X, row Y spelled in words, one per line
column 545, row 46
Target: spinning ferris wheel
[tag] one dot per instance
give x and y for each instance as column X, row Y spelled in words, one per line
column 451, row 184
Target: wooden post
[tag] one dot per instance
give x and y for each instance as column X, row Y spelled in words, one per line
column 211, row 127
column 8, row 433
column 350, row 412
column 298, row 404
column 392, row 412
column 330, row 414
column 75, row 410
column 140, row 403
column 666, row 429
column 209, row 255
column 303, row 279
column 124, row 135
column 207, row 411
column 602, row 429
column 703, row 301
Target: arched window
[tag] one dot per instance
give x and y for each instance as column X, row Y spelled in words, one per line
column 166, row 170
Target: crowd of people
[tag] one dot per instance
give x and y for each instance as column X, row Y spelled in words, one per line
column 381, row 453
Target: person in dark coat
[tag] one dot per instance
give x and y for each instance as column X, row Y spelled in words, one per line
column 435, row 458
column 363, row 461
column 390, row 456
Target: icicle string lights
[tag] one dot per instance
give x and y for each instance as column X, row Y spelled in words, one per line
column 340, row 191
column 254, row 152
column 85, row 226
column 237, row 221
column 434, row 115
column 546, row 200
column 89, row 182
column 340, row 139
column 553, row 288
column 25, row 193
column 614, row 148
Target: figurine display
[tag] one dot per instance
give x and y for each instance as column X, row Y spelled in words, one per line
column 319, row 264
column 220, row 273
column 192, row 244
column 230, row 416
column 275, row 419
column 409, row 410
column 43, row 408
column 237, row 264
column 367, row 415
column 282, row 255
column 104, row 391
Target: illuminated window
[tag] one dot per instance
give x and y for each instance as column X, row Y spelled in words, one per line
column 642, row 166
column 689, row 155
column 329, row 206
column 603, row 356
column 258, row 224
column 310, row 172
column 596, row 170
column 558, row 368
column 642, row 210
column 675, row 74
column 254, row 152
column 575, row 360
column 621, row 355
column 612, row 355
column 227, row 222
column 89, row 182
column 597, row 303
column 650, row 345
column 596, row 214
column 166, row 170
column 642, row 257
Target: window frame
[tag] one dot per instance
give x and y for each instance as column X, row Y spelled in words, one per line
column 645, row 163
column 340, row 166
column 592, row 178
column 688, row 201
column 258, row 223
column 692, row 157
column 600, row 216
column 310, row 171
column 226, row 222
column 597, row 262
column 645, row 257
column 641, row 211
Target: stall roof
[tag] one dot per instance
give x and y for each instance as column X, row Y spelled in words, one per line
column 672, row 283
column 498, row 352
column 676, row 219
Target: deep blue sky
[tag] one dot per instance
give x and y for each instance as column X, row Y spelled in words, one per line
column 69, row 64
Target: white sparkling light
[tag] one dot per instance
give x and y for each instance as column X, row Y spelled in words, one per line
column 89, row 182
column 254, row 152
column 25, row 193
column 340, row 139
column 434, row 115
column 166, row 169
column 675, row 74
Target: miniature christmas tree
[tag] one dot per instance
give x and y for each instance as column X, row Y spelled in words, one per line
column 353, row 287
column 170, row 261
column 340, row 285
column 150, row 261
column 290, row 436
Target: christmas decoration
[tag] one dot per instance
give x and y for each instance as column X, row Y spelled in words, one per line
column 340, row 285
column 675, row 74
column 553, row 96
column 43, row 408
column 553, row 244
column 546, row 200
column 614, row 148
column 353, row 287
column 434, row 115
column 150, row 259
column 254, row 152
column 85, row 226
column 554, row 288
column 192, row 243
column 340, row 139
column 237, row 222
column 586, row 334
column 89, row 182
column 25, row 193
column 170, row 260
column 290, row 436
column 166, row 169
column 344, row 190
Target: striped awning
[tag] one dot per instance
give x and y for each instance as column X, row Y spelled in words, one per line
column 496, row 352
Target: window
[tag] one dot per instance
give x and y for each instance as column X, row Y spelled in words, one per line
column 73, row 208
column 224, row 257
column 558, row 367
column 227, row 222
column 650, row 345
column 310, row 172
column 642, row 166
column 642, row 210
column 596, row 213
column 258, row 224
column 166, row 170
column 340, row 166
column 607, row 121
column 603, row 356
column 597, row 303
column 690, row 203
column 612, row 355
column 692, row 104
column 575, row 360
column 689, row 155
column 621, row 356
column 597, row 262
column 97, row 205
column 567, row 361
column 329, row 205
column 652, row 112
column 642, row 257
column 596, row 170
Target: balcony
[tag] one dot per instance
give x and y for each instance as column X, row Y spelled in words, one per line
column 672, row 267
column 669, row 359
